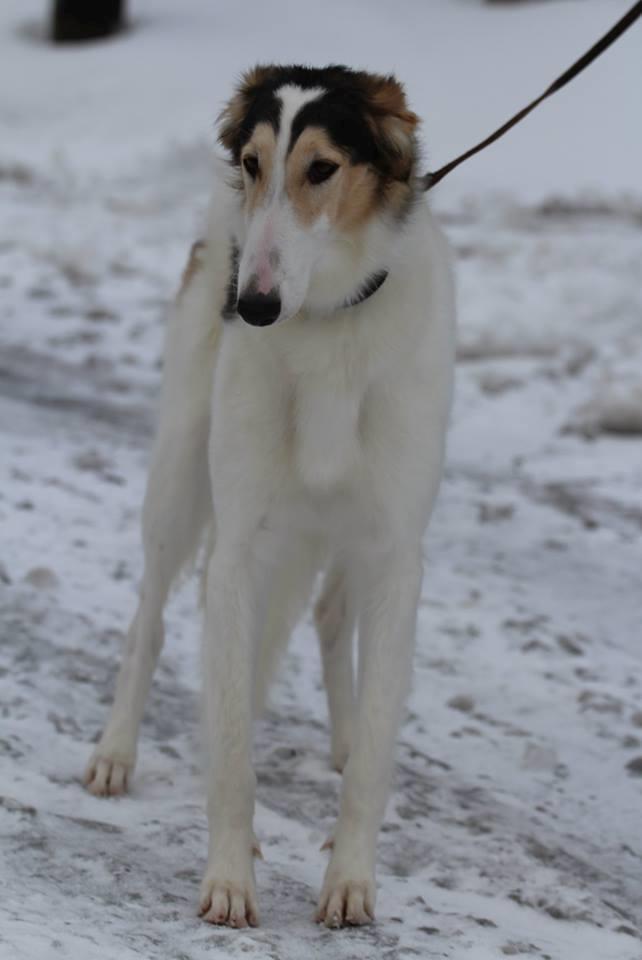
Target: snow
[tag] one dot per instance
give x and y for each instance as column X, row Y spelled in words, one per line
column 513, row 829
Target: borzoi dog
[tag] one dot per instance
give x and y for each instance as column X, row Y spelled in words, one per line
column 306, row 392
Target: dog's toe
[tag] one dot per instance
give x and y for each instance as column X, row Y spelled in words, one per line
column 347, row 903
column 227, row 904
column 358, row 910
column 105, row 777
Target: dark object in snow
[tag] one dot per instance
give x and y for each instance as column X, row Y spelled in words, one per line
column 77, row 20
column 635, row 767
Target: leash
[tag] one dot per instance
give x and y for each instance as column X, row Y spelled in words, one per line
column 429, row 180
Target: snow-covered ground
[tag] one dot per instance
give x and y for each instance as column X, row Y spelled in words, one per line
column 514, row 826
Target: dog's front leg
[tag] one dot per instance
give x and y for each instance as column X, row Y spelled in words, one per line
column 388, row 606
column 228, row 893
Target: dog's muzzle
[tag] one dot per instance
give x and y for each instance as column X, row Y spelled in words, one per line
column 259, row 309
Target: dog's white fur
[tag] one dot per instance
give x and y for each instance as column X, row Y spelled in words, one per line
column 325, row 436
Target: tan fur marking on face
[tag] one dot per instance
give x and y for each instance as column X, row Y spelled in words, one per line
column 261, row 144
column 347, row 199
column 310, row 201
column 192, row 267
column 360, row 197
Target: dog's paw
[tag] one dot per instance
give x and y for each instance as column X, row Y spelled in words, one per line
column 107, row 775
column 346, row 901
column 227, row 902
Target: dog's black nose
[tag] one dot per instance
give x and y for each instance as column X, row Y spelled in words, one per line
column 259, row 309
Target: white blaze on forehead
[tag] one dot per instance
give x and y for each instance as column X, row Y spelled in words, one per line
column 292, row 100
column 273, row 236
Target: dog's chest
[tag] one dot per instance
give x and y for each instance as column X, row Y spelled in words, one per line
column 327, row 445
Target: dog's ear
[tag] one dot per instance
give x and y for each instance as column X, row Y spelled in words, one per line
column 393, row 125
column 235, row 111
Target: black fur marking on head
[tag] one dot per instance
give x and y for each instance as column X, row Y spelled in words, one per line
column 263, row 104
column 264, row 108
column 341, row 114
column 342, row 110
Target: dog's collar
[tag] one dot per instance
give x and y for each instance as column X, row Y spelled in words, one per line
column 369, row 286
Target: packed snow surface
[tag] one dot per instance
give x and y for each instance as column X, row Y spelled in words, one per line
column 514, row 824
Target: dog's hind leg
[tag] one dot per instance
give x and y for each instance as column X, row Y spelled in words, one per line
column 176, row 512
column 335, row 619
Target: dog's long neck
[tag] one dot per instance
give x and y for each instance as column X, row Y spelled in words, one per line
column 359, row 264
column 331, row 360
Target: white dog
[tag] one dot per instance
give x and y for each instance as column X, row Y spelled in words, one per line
column 314, row 445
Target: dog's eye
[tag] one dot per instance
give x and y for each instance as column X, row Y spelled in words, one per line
column 321, row 170
column 251, row 164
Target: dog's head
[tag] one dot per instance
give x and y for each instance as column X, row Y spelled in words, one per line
column 325, row 162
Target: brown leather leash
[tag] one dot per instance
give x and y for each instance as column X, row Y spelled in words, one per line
column 429, row 180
